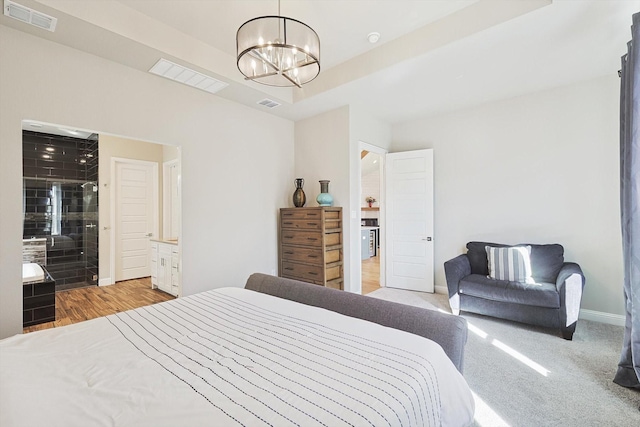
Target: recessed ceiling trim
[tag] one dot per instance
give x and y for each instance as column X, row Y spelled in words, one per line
column 30, row 16
column 187, row 76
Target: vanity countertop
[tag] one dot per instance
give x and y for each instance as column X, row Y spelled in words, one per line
column 169, row 241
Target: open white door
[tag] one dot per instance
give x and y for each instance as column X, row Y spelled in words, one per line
column 409, row 220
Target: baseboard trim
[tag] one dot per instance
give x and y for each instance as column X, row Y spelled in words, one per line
column 105, row 282
column 602, row 317
column 592, row 315
column 442, row 290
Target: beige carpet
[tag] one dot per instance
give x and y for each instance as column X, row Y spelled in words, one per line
column 527, row 376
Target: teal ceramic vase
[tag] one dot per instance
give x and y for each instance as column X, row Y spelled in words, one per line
column 324, row 198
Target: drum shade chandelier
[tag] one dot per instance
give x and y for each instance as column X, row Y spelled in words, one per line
column 278, row 51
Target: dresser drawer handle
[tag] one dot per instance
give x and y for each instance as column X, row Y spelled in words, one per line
column 287, row 223
column 312, row 273
column 288, row 268
column 312, row 256
column 287, row 214
column 312, row 223
column 288, row 237
column 288, row 253
column 312, row 238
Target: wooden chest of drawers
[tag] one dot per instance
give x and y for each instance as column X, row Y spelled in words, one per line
column 311, row 245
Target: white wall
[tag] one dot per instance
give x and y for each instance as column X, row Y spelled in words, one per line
column 370, row 185
column 541, row 168
column 328, row 147
column 322, row 152
column 228, row 232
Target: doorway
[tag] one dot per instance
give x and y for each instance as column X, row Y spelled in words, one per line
column 65, row 171
column 371, row 203
column 404, row 216
column 60, row 204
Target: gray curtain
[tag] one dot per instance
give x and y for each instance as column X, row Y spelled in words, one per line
column 628, row 373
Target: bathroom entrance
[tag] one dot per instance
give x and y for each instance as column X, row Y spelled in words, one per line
column 60, row 204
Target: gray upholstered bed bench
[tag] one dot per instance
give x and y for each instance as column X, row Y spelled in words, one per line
column 447, row 330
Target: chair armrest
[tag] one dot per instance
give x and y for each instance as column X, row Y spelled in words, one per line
column 569, row 269
column 570, row 284
column 455, row 269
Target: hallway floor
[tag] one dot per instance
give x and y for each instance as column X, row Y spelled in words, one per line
column 371, row 274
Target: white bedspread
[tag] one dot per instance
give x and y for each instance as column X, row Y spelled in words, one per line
column 229, row 357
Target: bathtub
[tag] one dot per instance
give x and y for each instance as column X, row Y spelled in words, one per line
column 32, row 272
column 38, row 295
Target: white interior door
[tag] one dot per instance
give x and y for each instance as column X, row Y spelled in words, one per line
column 409, row 220
column 135, row 218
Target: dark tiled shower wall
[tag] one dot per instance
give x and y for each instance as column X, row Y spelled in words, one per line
column 68, row 166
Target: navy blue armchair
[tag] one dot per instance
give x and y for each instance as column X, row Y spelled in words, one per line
column 552, row 301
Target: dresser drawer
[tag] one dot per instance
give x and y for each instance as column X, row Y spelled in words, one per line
column 332, row 239
column 334, row 224
column 333, row 273
column 310, row 255
column 296, row 237
column 301, row 214
column 302, row 224
column 302, row 271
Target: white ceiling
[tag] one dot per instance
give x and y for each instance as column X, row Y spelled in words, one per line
column 342, row 26
column 433, row 55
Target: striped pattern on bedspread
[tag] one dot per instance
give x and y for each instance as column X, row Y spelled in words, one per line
column 260, row 360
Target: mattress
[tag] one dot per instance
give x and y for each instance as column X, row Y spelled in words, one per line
column 229, row 357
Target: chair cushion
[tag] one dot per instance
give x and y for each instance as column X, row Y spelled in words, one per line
column 537, row 294
column 510, row 263
column 546, row 260
column 478, row 256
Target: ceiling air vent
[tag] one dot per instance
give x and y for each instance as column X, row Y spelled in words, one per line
column 269, row 103
column 29, row 16
column 187, row 76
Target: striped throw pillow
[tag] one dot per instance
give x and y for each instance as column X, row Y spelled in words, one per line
column 510, row 263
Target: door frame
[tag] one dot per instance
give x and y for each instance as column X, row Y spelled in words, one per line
column 112, row 213
column 166, row 197
column 382, row 212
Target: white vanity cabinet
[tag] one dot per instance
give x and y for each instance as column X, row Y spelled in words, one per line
column 164, row 266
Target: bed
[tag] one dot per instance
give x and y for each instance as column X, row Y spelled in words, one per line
column 276, row 353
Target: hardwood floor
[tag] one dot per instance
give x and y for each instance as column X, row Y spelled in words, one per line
column 77, row 305
column 371, row 274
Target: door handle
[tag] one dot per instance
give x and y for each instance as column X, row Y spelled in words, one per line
column 428, row 239
column 149, row 234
